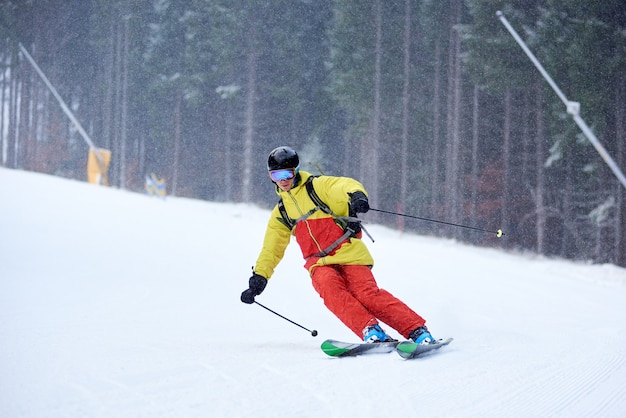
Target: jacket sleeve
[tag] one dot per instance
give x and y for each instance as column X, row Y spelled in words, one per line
column 334, row 192
column 277, row 237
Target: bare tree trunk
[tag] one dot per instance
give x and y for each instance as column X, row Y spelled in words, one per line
column 13, row 145
column 371, row 150
column 404, row 149
column 177, row 139
column 124, row 107
column 26, row 147
column 246, row 186
column 567, row 205
column 526, row 138
column 506, row 159
column 27, row 130
column 453, row 161
column 39, row 101
column 4, row 61
column 436, row 140
column 228, row 140
column 539, row 168
column 449, row 128
column 620, row 139
column 377, row 101
column 107, row 100
column 117, row 140
column 475, row 156
column 36, row 99
column 141, row 154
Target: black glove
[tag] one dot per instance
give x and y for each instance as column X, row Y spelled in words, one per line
column 256, row 285
column 358, row 202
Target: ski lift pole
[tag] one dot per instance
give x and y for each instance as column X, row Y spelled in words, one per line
column 573, row 108
column 66, row 109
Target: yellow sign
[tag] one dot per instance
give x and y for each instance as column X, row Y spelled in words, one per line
column 97, row 167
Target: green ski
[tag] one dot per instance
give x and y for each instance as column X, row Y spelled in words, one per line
column 409, row 350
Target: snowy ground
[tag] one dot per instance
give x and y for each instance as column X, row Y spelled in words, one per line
column 115, row 304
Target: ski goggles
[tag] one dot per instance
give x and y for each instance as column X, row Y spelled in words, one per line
column 283, row 174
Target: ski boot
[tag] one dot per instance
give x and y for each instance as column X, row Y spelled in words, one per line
column 421, row 335
column 375, row 334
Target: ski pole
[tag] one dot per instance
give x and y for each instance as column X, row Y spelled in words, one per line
column 498, row 233
column 313, row 333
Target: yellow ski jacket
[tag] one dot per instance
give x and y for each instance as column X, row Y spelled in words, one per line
column 314, row 230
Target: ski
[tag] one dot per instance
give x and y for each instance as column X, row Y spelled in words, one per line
column 406, row 349
column 409, row 350
column 336, row 348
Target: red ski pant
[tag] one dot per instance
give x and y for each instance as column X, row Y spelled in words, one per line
column 351, row 293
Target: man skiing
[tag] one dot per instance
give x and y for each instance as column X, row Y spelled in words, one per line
column 321, row 213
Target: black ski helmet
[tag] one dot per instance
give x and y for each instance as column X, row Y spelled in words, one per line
column 282, row 157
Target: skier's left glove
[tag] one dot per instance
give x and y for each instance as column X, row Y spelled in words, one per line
column 358, row 202
column 256, row 285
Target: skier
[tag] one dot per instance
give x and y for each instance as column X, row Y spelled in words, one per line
column 321, row 214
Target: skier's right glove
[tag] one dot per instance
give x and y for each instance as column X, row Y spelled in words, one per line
column 256, row 285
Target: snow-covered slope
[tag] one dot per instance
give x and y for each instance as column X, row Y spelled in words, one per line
column 115, row 304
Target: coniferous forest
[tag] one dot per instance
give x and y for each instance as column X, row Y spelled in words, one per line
column 431, row 104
